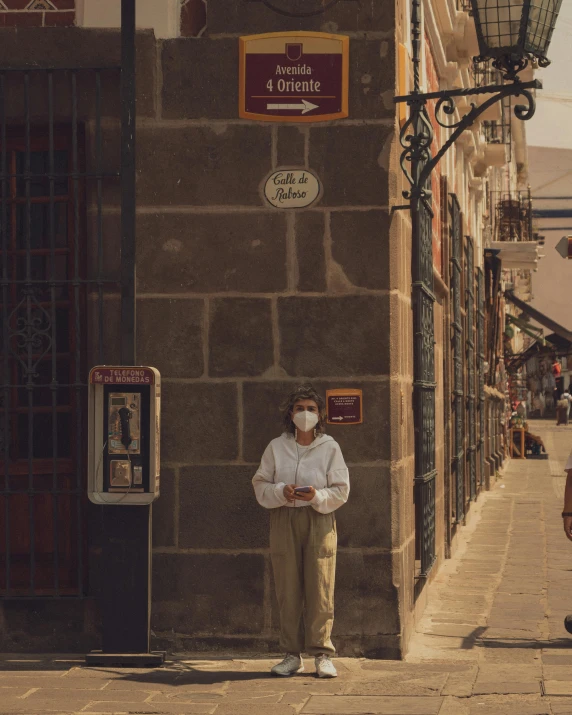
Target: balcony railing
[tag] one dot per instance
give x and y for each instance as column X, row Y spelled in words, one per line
column 484, row 73
column 497, row 131
column 512, row 216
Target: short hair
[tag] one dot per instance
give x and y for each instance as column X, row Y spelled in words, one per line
column 303, row 392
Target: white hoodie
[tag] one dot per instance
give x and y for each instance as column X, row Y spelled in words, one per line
column 321, row 466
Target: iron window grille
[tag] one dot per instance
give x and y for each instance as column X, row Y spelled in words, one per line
column 55, row 177
column 458, row 469
column 470, row 363
column 424, row 391
column 481, row 371
column 423, row 299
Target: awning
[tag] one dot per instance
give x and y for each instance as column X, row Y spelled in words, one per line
column 539, row 317
column 532, row 332
column 560, row 344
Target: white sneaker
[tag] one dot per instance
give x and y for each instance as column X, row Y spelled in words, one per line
column 291, row 665
column 324, row 667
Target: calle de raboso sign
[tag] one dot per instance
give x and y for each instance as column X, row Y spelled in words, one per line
column 291, row 188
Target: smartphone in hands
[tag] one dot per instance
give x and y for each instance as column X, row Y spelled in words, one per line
column 302, row 490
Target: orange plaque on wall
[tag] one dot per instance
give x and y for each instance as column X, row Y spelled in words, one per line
column 344, row 407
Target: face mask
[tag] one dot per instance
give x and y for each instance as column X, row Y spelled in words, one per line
column 305, row 421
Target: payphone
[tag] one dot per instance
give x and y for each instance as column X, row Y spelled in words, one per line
column 124, row 434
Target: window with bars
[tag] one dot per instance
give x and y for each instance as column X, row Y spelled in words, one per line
column 48, row 183
column 41, row 357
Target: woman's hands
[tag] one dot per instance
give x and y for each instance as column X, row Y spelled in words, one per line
column 291, row 497
column 307, row 496
column 289, row 492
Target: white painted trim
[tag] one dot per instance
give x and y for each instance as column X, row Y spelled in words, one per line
column 161, row 16
column 432, row 30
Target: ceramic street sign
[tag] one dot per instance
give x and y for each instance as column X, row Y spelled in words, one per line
column 294, row 77
column 564, row 246
column 344, row 407
column 292, row 188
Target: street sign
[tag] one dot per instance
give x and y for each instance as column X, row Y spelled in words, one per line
column 564, row 246
column 293, row 77
column 117, row 375
column 344, row 407
column 292, row 188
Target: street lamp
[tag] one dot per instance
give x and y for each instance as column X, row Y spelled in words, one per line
column 510, row 33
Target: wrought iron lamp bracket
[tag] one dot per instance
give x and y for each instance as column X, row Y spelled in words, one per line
column 416, row 136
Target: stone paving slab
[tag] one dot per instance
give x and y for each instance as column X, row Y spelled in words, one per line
column 557, row 672
column 67, row 704
column 516, row 705
column 47, row 694
column 422, row 686
column 505, row 687
column 146, row 709
column 562, row 706
column 558, row 687
column 348, row 705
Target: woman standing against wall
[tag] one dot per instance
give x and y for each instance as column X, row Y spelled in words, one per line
column 303, row 479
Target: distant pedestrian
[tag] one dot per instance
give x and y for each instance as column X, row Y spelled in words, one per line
column 567, row 519
column 303, row 479
column 563, row 408
column 567, row 512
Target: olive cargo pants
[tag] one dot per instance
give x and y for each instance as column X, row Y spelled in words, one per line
column 303, row 550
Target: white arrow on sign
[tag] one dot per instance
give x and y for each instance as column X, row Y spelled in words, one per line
column 336, row 418
column 563, row 246
column 304, row 106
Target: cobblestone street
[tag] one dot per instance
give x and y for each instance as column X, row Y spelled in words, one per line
column 491, row 642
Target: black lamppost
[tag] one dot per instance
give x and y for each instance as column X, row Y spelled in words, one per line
column 511, row 33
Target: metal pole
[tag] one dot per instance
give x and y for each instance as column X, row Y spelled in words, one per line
column 126, row 587
column 128, row 109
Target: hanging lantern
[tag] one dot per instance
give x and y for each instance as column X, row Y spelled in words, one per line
column 512, row 32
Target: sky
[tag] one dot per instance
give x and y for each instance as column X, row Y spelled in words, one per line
column 551, row 125
column 550, row 172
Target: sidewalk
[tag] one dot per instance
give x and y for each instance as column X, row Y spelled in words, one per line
column 491, row 642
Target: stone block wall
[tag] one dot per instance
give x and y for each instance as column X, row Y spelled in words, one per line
column 261, row 300
column 239, row 302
